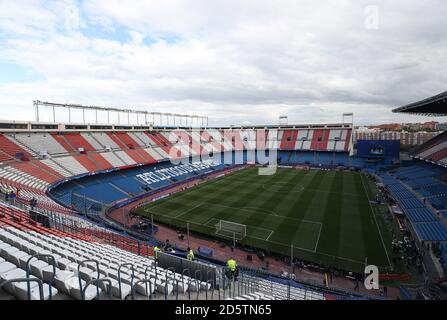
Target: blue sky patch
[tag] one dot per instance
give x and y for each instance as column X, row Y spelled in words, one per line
column 10, row 72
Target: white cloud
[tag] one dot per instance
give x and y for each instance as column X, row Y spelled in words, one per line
column 234, row 61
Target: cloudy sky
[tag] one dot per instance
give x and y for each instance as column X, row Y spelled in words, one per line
column 235, row 61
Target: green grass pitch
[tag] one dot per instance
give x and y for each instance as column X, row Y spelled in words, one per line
column 325, row 215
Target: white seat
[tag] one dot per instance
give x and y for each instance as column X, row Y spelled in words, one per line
column 15, row 257
column 194, row 285
column 13, row 273
column 23, row 260
column 5, row 252
column 21, row 291
column 125, row 288
column 145, row 289
column 181, row 286
column 6, row 267
column 48, row 272
column 87, row 274
column 162, row 286
column 63, row 263
column 61, row 280
column 75, row 291
column 35, row 250
column 37, row 267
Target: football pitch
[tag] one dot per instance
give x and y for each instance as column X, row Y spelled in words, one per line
column 323, row 216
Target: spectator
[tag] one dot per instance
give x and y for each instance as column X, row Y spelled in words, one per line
column 232, row 269
column 190, row 254
column 156, row 251
column 167, row 246
column 33, row 203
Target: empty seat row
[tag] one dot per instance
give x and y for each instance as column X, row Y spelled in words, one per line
column 421, row 215
column 118, row 266
column 56, row 167
column 253, row 296
column 283, row 292
column 11, row 147
column 411, row 203
column 19, row 177
column 40, row 143
column 71, row 165
column 432, row 231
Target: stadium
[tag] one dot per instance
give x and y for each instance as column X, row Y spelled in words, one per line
column 83, row 207
column 245, row 154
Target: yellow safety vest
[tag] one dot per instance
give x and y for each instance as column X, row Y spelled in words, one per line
column 190, row 255
column 232, row 264
column 156, row 250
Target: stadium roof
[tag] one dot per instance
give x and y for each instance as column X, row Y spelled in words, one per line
column 434, row 106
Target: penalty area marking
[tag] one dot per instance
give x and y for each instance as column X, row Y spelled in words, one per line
column 207, row 224
column 318, row 239
column 213, row 221
column 187, row 211
column 375, row 220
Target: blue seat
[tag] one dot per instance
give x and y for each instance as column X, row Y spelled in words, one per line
column 421, row 215
column 431, row 231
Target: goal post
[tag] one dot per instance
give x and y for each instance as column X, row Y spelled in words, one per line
column 231, row 230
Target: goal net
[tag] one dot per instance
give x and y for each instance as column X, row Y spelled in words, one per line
column 231, row 230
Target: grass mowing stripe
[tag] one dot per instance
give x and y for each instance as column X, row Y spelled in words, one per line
column 373, row 213
column 239, row 200
column 244, row 197
column 286, row 232
column 330, row 241
column 264, row 198
column 209, row 211
column 353, row 211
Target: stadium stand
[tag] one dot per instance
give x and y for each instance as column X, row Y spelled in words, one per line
column 59, row 137
column 77, row 261
column 55, row 158
column 434, row 150
column 444, row 255
column 11, row 150
column 125, row 158
column 77, row 141
column 104, row 139
column 40, row 143
column 142, row 138
column 115, row 186
column 92, row 141
column 416, row 188
column 431, row 231
column 127, row 140
column 100, row 161
column 113, row 159
column 19, row 177
column 56, row 167
column 154, row 154
column 71, row 165
column 114, row 137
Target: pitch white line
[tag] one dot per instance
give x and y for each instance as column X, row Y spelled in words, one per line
column 189, row 210
column 264, row 212
column 318, row 239
column 271, row 233
column 377, row 225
